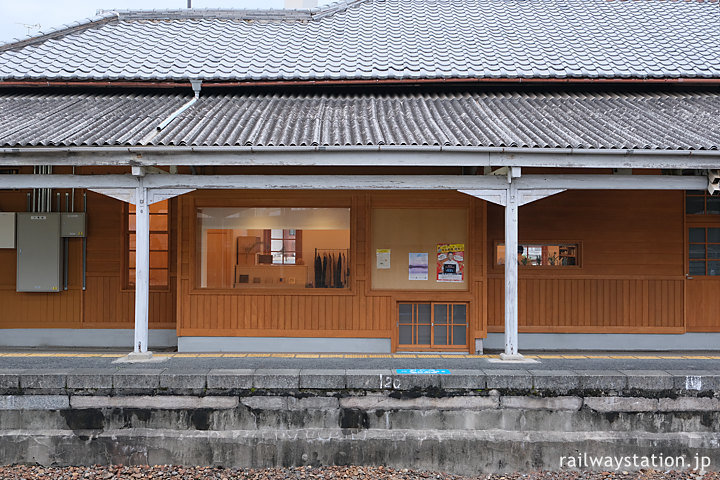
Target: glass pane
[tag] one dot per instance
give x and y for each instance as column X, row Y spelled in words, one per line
column 697, row 250
column 276, row 245
column 158, row 223
column 695, row 205
column 158, row 260
column 713, row 205
column 441, row 313
column 713, row 251
column 405, row 334
column 131, row 243
column 423, row 334
column 424, row 314
column 158, row 241
column 131, row 259
column 289, row 245
column 131, row 276
column 290, row 234
column 697, row 235
column 289, row 259
column 159, row 277
column 713, row 235
column 697, row 268
column 459, row 335
column 276, row 233
column 441, row 332
column 459, row 314
column 405, row 314
column 159, row 207
column 131, row 223
column 714, row 268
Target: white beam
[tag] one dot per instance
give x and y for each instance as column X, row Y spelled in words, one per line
column 142, row 269
column 511, row 273
column 358, row 182
column 612, row 182
column 497, row 197
column 529, row 196
column 411, row 156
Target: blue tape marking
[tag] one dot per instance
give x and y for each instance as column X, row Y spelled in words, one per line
column 422, row 371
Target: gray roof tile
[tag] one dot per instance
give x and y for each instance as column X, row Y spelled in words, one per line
column 582, row 120
column 385, row 39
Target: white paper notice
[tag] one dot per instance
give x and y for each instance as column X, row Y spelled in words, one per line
column 417, row 266
column 383, row 258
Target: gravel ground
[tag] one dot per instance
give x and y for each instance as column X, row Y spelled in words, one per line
column 29, row 472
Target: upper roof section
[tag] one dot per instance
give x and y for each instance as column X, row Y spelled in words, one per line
column 384, row 39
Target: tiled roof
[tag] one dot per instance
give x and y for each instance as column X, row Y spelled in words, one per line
column 385, row 39
column 675, row 121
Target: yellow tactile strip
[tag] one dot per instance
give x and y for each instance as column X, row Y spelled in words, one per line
column 363, row 355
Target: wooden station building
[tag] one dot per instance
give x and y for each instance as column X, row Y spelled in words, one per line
column 369, row 176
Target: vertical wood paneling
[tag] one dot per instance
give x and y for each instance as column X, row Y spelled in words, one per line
column 591, row 304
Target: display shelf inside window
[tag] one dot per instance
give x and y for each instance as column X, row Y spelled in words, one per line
column 542, row 255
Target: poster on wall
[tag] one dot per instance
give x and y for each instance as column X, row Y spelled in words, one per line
column 382, row 256
column 450, row 262
column 417, row 266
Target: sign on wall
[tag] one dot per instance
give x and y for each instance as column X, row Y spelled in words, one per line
column 450, row 262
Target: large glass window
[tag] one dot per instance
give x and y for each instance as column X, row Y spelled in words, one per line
column 700, row 202
column 704, row 251
column 159, row 245
column 542, row 255
column 274, row 247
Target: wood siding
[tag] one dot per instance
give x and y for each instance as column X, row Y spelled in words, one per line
column 630, row 277
column 105, row 303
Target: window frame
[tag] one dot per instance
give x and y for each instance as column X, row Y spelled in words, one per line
column 500, row 267
column 196, row 204
column 127, row 284
column 706, row 195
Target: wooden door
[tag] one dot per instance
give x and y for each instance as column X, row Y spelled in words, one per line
column 219, row 258
column 702, row 287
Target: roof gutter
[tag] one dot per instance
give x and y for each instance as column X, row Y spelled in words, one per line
column 363, row 82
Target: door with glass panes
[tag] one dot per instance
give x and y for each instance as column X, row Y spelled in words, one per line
column 702, row 285
column 432, row 325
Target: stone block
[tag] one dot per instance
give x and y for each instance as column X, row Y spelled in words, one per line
column 140, row 379
column 164, row 402
column 382, row 402
column 277, row 379
column 9, row 380
column 265, row 403
column 91, row 379
column 557, row 381
column 414, row 381
column 621, row 404
column 694, row 380
column 313, row 403
column 534, row 403
column 369, row 379
column 34, row 402
column 187, row 381
column 508, row 379
column 649, row 380
column 44, row 380
column 322, row 379
column 230, row 379
column 603, row 380
column 464, row 379
column 688, row 404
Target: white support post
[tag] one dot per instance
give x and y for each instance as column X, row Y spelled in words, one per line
column 142, row 271
column 511, row 274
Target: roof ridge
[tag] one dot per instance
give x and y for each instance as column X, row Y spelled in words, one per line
column 102, row 17
column 106, row 16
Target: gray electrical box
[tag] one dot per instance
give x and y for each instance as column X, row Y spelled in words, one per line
column 7, row 229
column 72, row 225
column 39, row 252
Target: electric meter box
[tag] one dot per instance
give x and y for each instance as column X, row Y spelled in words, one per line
column 7, row 229
column 39, row 252
column 72, row 225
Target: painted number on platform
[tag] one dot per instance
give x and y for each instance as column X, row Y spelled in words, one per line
column 388, row 381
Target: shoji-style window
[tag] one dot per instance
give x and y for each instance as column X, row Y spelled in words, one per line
column 159, row 245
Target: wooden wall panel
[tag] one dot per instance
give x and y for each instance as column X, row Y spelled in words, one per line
column 591, row 305
column 105, row 303
column 703, row 305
